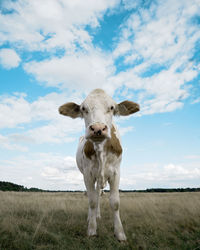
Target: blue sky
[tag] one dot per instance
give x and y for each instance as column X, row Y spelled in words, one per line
column 56, row 51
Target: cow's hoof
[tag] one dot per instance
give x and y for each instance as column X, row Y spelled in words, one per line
column 93, row 236
column 121, row 237
column 98, row 216
column 92, row 233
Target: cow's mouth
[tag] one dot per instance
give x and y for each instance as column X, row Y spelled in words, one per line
column 98, row 138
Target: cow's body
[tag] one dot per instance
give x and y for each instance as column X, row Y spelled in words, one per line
column 99, row 152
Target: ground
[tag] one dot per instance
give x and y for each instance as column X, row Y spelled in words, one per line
column 58, row 221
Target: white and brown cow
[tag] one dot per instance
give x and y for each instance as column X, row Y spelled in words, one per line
column 99, row 152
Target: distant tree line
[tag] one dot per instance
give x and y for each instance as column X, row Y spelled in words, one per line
column 9, row 186
column 164, row 190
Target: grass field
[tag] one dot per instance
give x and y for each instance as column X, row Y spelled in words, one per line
column 57, row 221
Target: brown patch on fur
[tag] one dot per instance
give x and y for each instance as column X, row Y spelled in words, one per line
column 113, row 144
column 70, row 109
column 89, row 149
column 128, row 108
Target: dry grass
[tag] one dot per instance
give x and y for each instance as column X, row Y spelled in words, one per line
column 58, row 221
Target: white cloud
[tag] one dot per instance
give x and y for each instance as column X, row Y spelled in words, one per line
column 9, row 58
column 62, row 28
column 50, row 23
column 162, row 92
column 46, row 107
column 61, row 131
column 80, row 71
column 129, row 4
column 38, row 122
column 14, row 110
column 192, row 157
column 197, row 100
column 122, row 48
column 124, row 130
column 6, row 143
column 167, row 176
column 43, row 170
column 163, row 37
column 59, row 128
column 159, row 33
column 179, row 172
column 71, row 178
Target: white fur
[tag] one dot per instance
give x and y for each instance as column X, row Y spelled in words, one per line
column 97, row 110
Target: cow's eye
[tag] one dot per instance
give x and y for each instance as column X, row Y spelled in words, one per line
column 84, row 110
column 111, row 107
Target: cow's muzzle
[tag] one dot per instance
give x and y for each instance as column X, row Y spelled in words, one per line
column 98, row 131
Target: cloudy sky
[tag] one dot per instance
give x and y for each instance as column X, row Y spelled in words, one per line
column 54, row 51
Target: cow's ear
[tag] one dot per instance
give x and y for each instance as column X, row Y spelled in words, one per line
column 70, row 109
column 127, row 108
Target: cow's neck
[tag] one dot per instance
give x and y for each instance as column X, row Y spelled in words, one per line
column 99, row 148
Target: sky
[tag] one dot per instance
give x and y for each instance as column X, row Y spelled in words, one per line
column 56, row 51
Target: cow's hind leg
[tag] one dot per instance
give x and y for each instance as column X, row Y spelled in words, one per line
column 115, row 203
column 92, row 198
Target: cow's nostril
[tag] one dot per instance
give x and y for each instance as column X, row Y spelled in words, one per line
column 91, row 128
column 98, row 132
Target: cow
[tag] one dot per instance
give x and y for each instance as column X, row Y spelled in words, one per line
column 99, row 152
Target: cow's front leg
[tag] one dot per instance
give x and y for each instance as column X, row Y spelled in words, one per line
column 115, row 203
column 98, row 212
column 92, row 198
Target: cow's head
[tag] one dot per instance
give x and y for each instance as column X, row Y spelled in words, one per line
column 97, row 110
